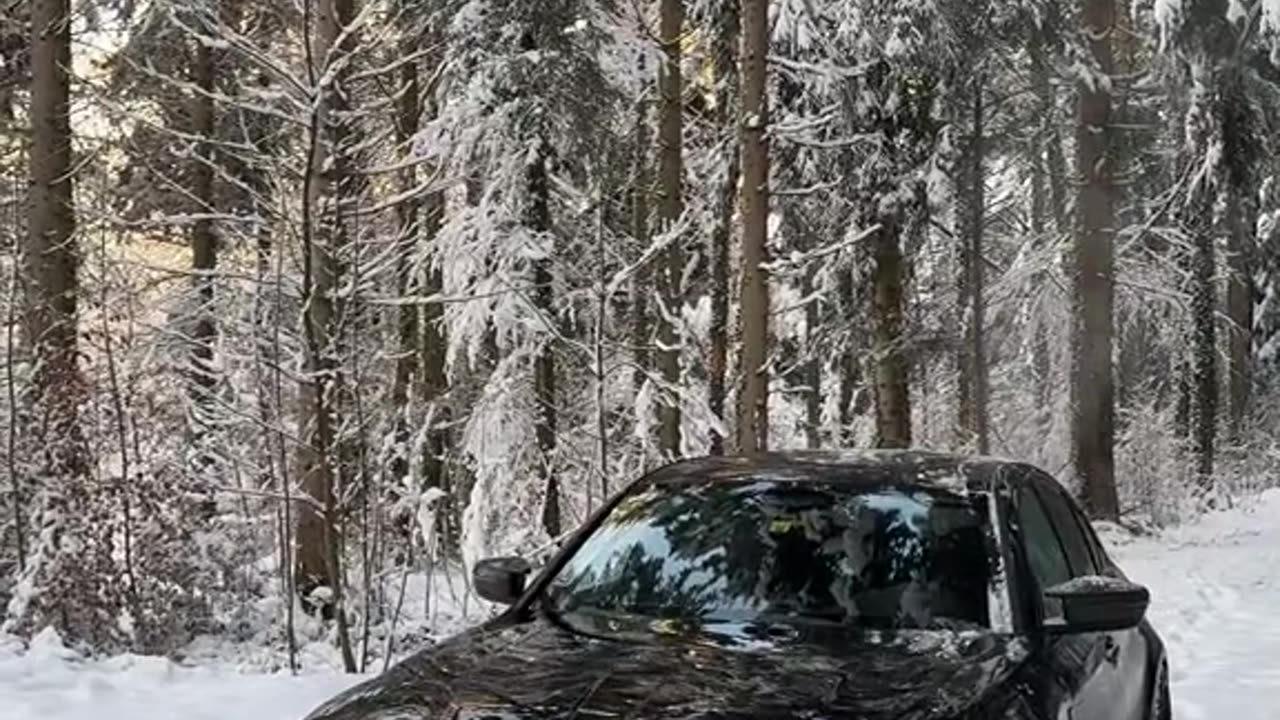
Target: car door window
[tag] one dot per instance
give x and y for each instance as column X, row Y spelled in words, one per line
column 1069, row 531
column 1100, row 559
column 1044, row 551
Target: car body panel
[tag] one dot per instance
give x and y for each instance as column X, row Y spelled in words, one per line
column 1113, row 676
column 545, row 668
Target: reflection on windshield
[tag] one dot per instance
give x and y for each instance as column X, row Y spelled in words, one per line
column 783, row 552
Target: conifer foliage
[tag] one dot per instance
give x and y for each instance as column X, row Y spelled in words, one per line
column 310, row 303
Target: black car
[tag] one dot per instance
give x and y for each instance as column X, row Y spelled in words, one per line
column 864, row 586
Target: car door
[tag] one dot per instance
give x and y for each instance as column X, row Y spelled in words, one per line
column 1118, row 684
column 1080, row 679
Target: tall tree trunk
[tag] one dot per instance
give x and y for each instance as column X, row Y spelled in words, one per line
column 812, row 364
column 892, row 371
column 408, row 230
column 853, row 395
column 753, row 398
column 1093, row 398
column 435, row 381
column 671, row 172
column 1240, row 290
column 313, row 466
column 1182, row 404
column 977, row 181
column 1042, row 361
column 204, row 250
column 327, row 178
column 1266, row 322
column 725, row 51
column 973, row 366
column 641, row 327
column 1201, row 401
column 850, row 367
column 1204, row 348
column 538, row 220
column 51, row 261
column 1242, row 220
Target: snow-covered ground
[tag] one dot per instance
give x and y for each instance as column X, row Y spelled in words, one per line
column 1216, row 586
column 216, row 680
column 46, row 684
column 1216, row 592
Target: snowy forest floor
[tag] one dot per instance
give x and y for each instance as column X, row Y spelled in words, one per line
column 1216, row 584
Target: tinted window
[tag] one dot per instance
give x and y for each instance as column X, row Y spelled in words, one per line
column 1100, row 559
column 1069, row 531
column 1044, row 551
column 785, row 552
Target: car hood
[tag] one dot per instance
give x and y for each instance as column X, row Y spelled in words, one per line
column 590, row 669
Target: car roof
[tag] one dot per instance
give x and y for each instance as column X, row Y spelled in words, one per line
column 868, row 468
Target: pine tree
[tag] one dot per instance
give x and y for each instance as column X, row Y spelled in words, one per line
column 204, row 238
column 671, row 270
column 753, row 397
column 51, row 257
column 1093, row 272
column 727, row 28
column 328, row 186
column 1240, row 135
column 76, row 597
column 1204, row 38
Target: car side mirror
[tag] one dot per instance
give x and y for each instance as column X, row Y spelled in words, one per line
column 1098, row 604
column 501, row 580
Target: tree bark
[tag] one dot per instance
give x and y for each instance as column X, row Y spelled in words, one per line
column 538, row 220
column 641, row 327
column 204, row 249
column 724, row 49
column 1093, row 271
column 1200, row 405
column 409, row 232
column 1204, row 362
column 435, row 381
column 1240, row 291
column 1042, row 360
column 856, row 396
column 670, row 271
column 1242, row 220
column 753, row 399
column 328, row 178
column 892, row 381
column 1266, row 325
column 812, row 368
column 51, row 261
column 314, row 469
column 974, row 382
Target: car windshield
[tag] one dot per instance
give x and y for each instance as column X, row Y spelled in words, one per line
column 760, row 551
